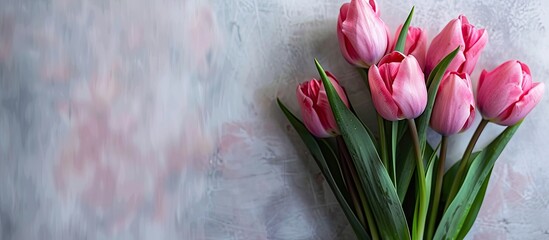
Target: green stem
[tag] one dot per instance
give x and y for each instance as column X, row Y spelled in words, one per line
column 423, row 200
column 352, row 191
column 465, row 163
column 349, row 183
column 438, row 188
column 383, row 142
column 354, row 186
column 369, row 215
column 394, row 134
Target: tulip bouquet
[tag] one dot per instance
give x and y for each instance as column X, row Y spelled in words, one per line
column 393, row 185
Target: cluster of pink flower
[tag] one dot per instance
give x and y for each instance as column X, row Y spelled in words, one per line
column 505, row 95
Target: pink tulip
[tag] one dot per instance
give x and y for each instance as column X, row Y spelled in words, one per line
column 398, row 87
column 454, row 109
column 507, row 94
column 315, row 109
column 458, row 32
column 363, row 36
column 416, row 43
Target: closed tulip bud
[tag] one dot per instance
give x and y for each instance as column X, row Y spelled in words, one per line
column 398, row 87
column 458, row 32
column 315, row 109
column 507, row 94
column 363, row 36
column 416, row 43
column 454, row 108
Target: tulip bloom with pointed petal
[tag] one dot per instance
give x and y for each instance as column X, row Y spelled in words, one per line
column 458, row 32
column 507, row 94
column 454, row 108
column 416, row 43
column 315, row 109
column 363, row 36
column 398, row 87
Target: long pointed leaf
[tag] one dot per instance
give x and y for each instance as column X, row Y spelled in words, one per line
column 428, row 185
column 475, row 208
column 406, row 165
column 316, row 151
column 399, row 46
column 380, row 192
column 455, row 217
column 333, row 165
column 370, row 133
column 449, row 178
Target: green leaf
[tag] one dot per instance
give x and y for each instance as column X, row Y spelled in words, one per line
column 406, row 165
column 332, row 163
column 383, row 142
column 404, row 33
column 449, row 178
column 315, row 148
column 454, row 219
column 436, row 76
column 428, row 186
column 475, row 208
column 364, row 75
column 379, row 190
column 402, row 129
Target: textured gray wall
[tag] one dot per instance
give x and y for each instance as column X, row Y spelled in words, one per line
column 135, row 119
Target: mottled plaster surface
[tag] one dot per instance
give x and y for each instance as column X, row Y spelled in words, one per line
column 137, row 119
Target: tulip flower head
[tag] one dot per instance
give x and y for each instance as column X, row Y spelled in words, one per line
column 454, row 108
column 416, row 43
column 363, row 36
column 507, row 94
column 398, row 87
column 315, row 109
column 458, row 32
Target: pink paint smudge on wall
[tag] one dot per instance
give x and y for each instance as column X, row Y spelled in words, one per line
column 6, row 38
column 110, row 167
column 202, row 34
column 137, row 143
column 508, row 189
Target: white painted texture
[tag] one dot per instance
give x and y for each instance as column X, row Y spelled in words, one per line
column 137, row 119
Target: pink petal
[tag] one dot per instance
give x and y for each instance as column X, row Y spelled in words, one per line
column 416, row 43
column 373, row 5
column 409, row 90
column 392, row 57
column 471, row 118
column 325, row 114
column 381, row 97
column 366, row 32
column 445, row 42
column 499, row 89
column 339, row 89
column 520, row 109
column 309, row 116
column 453, row 111
column 474, row 49
column 345, row 45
